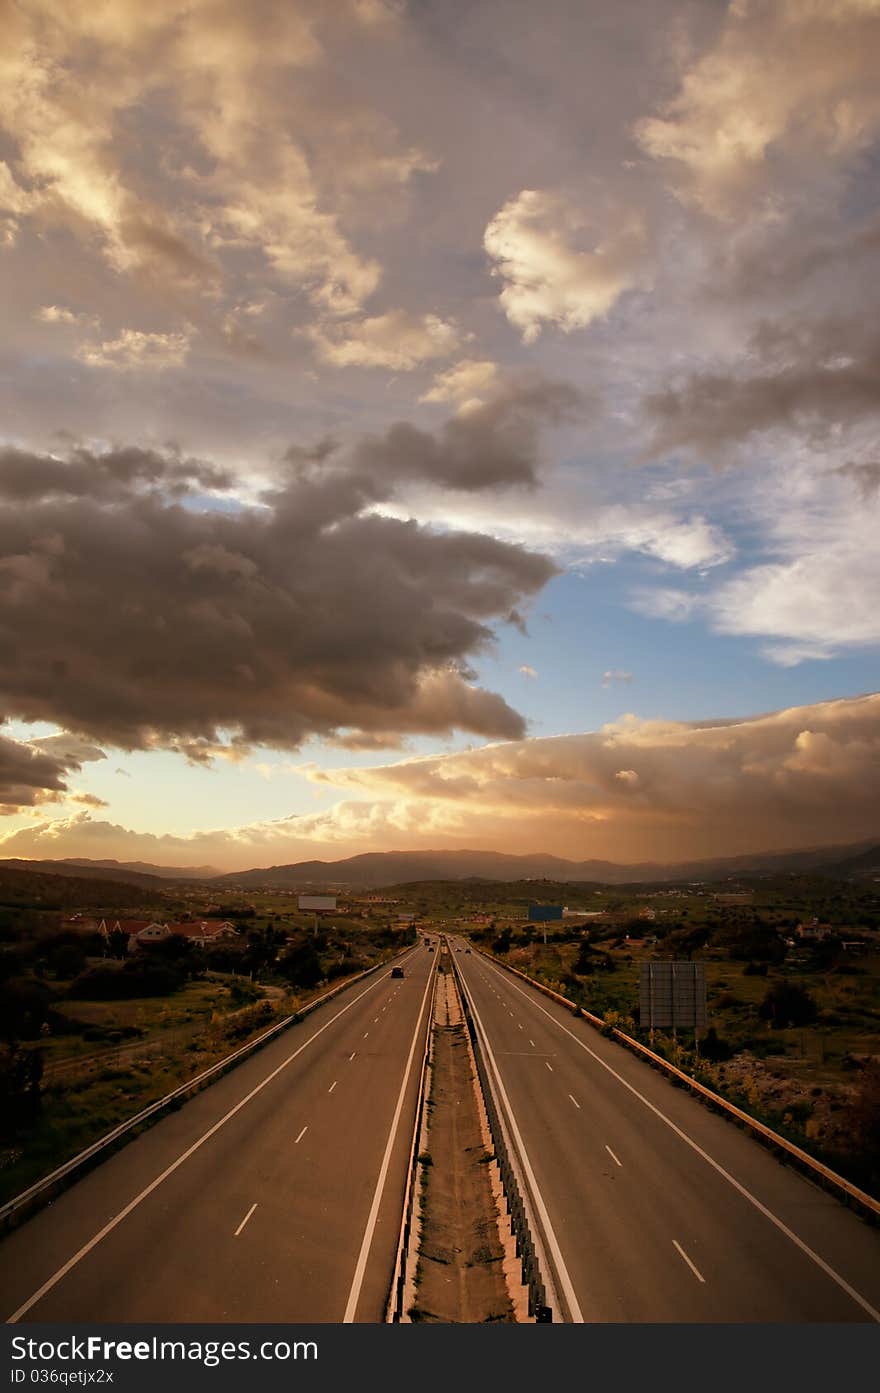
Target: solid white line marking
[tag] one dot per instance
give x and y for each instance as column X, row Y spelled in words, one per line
column 612, row 1155
column 575, row 1101
column 549, row 1066
column 358, row 1279
column 301, row 1135
column 244, row 1221
column 169, row 1170
column 697, row 1273
column 716, row 1165
column 332, row 1086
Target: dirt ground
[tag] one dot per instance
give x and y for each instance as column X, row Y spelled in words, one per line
column 461, row 1262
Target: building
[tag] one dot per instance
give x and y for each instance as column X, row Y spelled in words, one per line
column 812, row 931
column 144, row 936
column 205, row 932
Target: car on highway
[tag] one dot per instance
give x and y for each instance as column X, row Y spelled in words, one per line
column 397, row 972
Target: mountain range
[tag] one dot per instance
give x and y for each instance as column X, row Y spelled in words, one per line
column 374, row 869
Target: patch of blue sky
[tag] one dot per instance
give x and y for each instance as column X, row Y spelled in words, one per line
column 583, row 627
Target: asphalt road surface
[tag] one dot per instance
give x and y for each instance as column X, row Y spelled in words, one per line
column 274, row 1195
column 657, row 1208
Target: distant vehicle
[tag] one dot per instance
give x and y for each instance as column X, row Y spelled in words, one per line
column 397, row 972
column 431, row 949
column 467, row 950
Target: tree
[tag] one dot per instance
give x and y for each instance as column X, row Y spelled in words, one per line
column 583, row 963
column 787, row 1003
column 117, row 943
column 301, row 965
column 262, row 950
column 20, row 1074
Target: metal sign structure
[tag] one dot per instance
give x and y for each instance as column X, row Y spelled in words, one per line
column 672, row 996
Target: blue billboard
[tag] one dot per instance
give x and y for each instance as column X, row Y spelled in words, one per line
column 543, row 913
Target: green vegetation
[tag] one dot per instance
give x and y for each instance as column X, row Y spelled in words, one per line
column 91, row 1034
column 793, row 1033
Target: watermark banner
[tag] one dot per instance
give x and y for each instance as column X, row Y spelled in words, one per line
column 144, row 1358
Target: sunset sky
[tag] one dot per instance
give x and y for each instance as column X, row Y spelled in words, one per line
column 434, row 424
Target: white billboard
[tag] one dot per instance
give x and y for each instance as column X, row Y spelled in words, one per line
column 317, row 903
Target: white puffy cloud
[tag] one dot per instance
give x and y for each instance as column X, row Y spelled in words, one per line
column 817, row 592
column 796, row 79
column 133, row 348
column 467, row 384
column 669, row 789
column 395, row 340
column 558, row 267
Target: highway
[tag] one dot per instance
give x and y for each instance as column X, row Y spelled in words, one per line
column 656, row 1208
column 274, row 1195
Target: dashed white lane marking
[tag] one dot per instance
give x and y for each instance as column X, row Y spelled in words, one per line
column 716, row 1165
column 532, row 1043
column 549, row 1066
column 696, row 1271
column 169, row 1170
column 612, row 1155
column 301, row 1135
column 366, row 1033
column 244, row 1221
column 352, row 1055
column 575, row 1101
column 332, row 1086
column 518, row 1026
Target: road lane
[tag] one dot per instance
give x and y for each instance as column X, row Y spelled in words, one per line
column 305, row 1153
column 623, row 1188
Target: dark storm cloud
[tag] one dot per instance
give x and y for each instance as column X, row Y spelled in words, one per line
column 492, row 445
column 814, row 378
column 29, row 776
column 82, row 473
column 132, row 619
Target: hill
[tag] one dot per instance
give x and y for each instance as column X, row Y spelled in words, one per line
column 142, row 868
column 33, row 889
column 372, row 870
column 83, row 870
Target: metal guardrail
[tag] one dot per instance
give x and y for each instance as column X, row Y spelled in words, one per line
column 833, row 1182
column 521, row 1222
column 16, row 1208
column 394, row 1305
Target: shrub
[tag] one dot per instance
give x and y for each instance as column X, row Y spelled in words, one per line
column 20, row 1075
column 146, row 976
column 787, row 1003
column 714, row 1048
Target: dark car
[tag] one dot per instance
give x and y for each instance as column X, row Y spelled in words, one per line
column 397, row 972
column 467, row 950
